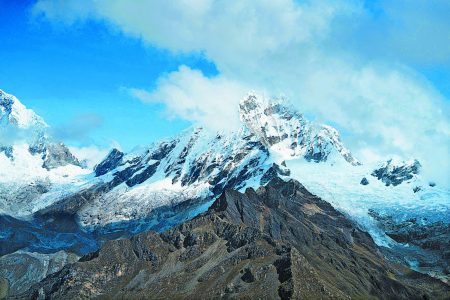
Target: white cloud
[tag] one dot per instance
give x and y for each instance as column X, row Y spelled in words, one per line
column 187, row 93
column 336, row 60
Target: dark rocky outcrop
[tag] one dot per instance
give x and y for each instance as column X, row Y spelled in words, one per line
column 278, row 242
column 393, row 174
column 8, row 150
column 364, row 181
column 417, row 189
column 111, row 161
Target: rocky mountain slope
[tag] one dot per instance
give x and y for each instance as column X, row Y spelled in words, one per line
column 278, row 242
column 23, row 269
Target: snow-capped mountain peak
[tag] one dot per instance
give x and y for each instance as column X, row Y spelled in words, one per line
column 19, row 125
column 32, row 163
column 288, row 133
column 13, row 112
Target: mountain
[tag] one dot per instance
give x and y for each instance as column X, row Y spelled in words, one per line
column 31, row 128
column 13, row 112
column 49, row 209
column 143, row 189
column 32, row 163
column 288, row 134
column 278, row 242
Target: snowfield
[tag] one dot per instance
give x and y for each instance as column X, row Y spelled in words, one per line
column 339, row 184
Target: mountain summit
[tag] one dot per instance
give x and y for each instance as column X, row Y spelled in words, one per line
column 24, row 126
column 288, row 133
column 31, row 161
column 13, row 112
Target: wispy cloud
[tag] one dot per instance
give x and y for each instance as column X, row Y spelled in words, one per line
column 78, row 128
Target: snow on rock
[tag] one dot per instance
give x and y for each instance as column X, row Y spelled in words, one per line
column 200, row 164
column 197, row 164
column 12, row 111
column 395, row 172
column 286, row 132
column 31, row 163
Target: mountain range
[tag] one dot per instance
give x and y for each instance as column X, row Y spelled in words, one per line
column 51, row 206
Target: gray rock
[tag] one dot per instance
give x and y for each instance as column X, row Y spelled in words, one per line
column 23, row 269
column 364, row 181
column 274, row 171
column 111, row 162
column 8, row 150
column 396, row 174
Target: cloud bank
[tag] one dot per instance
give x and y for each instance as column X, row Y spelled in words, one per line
column 347, row 63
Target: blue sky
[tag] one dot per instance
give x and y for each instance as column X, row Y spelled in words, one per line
column 73, row 75
column 132, row 72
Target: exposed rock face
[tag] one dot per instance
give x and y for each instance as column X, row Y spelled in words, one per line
column 111, row 162
column 364, row 181
column 396, row 173
column 417, row 189
column 22, row 269
column 432, row 237
column 8, row 150
column 278, row 242
column 57, row 155
column 274, row 171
